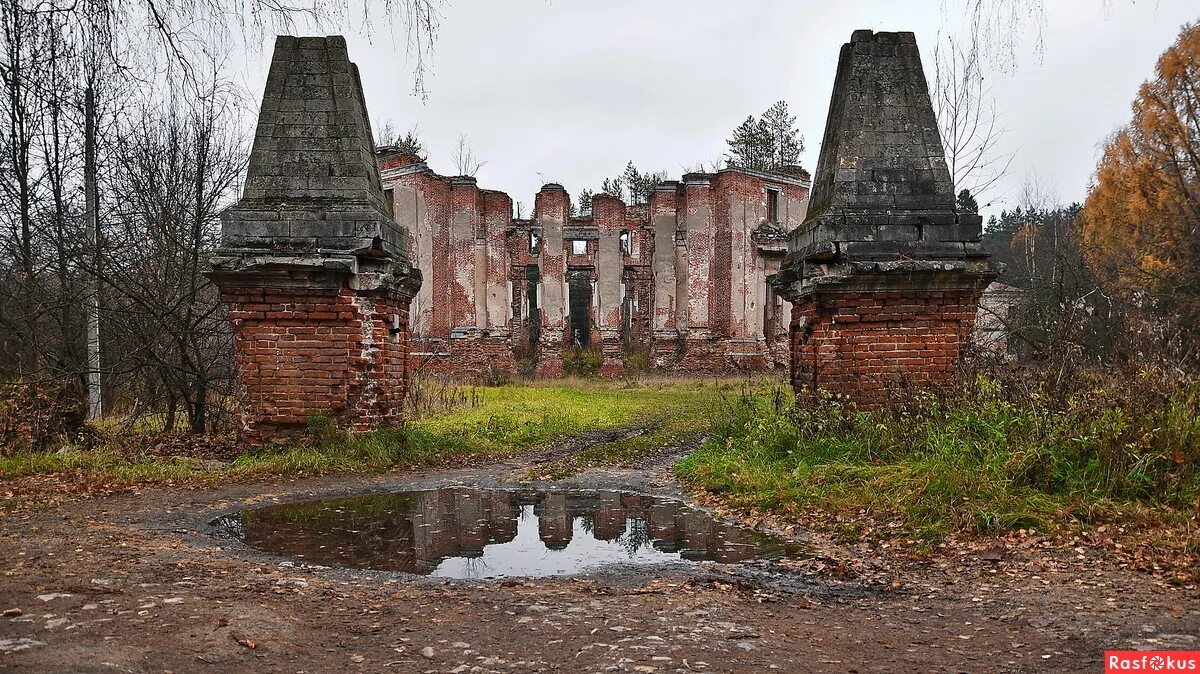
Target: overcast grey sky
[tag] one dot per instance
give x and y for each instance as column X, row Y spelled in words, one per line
column 568, row 90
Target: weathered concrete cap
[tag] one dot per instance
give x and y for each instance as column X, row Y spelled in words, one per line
column 312, row 183
column 881, row 147
column 882, row 190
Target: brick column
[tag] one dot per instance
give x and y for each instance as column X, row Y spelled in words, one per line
column 867, row 345
column 551, row 207
column 884, row 276
column 609, row 215
column 697, row 215
column 465, row 218
column 308, row 351
column 664, row 221
column 313, row 271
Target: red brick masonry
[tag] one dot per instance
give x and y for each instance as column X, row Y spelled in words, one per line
column 868, row 345
column 301, row 352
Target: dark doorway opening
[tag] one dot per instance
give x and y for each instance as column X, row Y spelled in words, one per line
column 581, row 308
column 627, row 312
column 532, row 278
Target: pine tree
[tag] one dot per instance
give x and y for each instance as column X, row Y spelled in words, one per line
column 766, row 144
column 633, row 180
column 585, row 202
column 650, row 182
column 745, row 146
column 966, row 202
column 613, row 187
column 785, row 142
column 411, row 144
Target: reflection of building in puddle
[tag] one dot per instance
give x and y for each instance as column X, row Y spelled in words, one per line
column 609, row 522
column 554, row 522
column 663, row 528
column 416, row 531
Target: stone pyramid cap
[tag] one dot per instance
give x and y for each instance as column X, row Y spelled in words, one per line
column 312, row 184
column 881, row 147
column 882, row 190
column 882, row 200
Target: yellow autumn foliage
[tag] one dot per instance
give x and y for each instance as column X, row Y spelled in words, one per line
column 1141, row 222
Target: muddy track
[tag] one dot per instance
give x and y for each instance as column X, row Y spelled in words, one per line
column 142, row 583
column 569, row 447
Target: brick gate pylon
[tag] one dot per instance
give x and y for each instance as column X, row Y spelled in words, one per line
column 312, row 269
column 884, row 275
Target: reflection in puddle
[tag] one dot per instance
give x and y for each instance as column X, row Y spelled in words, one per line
column 489, row 533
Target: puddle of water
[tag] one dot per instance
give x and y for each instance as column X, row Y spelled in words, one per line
column 460, row 532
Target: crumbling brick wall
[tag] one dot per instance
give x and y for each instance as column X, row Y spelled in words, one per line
column 307, row 352
column 663, row 274
column 869, row 346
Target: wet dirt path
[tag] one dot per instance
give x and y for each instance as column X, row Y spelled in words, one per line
column 141, row 583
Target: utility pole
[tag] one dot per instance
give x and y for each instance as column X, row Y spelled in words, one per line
column 91, row 208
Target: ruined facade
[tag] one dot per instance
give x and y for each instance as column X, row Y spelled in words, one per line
column 884, row 275
column 681, row 279
column 313, row 271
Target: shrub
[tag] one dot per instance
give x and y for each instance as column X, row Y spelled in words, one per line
column 582, row 362
column 525, row 360
column 429, row 396
column 38, row 417
column 495, row 376
column 637, row 363
column 1013, row 448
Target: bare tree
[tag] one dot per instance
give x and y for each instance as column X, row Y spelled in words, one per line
column 174, row 33
column 968, row 121
column 387, row 135
column 178, row 169
column 997, row 29
column 465, row 161
column 20, row 66
column 705, row 166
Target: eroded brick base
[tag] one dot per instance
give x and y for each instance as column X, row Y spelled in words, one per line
column 869, row 346
column 301, row 352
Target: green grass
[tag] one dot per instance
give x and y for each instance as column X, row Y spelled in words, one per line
column 501, row 420
column 991, row 460
column 675, row 421
column 1021, row 454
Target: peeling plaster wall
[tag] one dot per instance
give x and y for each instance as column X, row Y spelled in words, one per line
column 663, row 222
column 410, row 206
column 462, row 260
column 609, row 215
column 551, row 207
column 497, row 305
column 698, row 223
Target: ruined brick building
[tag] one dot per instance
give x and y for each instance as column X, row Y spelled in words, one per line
column 681, row 278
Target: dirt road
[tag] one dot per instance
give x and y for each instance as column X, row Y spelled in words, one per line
column 142, row 583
